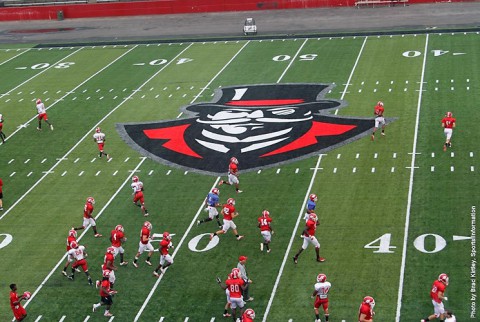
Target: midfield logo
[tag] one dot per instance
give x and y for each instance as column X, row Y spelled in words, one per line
column 261, row 125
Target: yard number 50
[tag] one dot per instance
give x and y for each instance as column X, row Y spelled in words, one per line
column 382, row 244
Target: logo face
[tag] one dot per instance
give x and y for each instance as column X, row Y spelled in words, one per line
column 261, row 125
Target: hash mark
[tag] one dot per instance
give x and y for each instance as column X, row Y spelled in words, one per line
column 259, row 171
column 338, row 156
column 13, row 173
column 472, row 168
column 26, row 161
column 395, row 155
column 375, row 155
column 115, row 173
column 354, row 170
column 392, row 170
column 452, row 154
column 28, row 175
column 76, row 160
column 14, row 160
column 471, row 154
column 357, row 156
column 334, row 170
column 64, row 173
column 185, row 173
column 80, row 174
column 98, row 172
column 168, row 172
column 93, row 160
column 126, row 159
column 373, row 170
column 150, row 173
column 278, row 171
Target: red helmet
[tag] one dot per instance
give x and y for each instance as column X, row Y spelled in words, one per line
column 119, row 228
column 443, row 278
column 106, row 273
column 313, row 197
column 321, row 278
column 380, row 103
column 166, row 235
column 73, row 244
column 235, row 273
column 231, row 201
column 91, row 200
column 148, row 225
column 72, row 233
column 313, row 216
column 234, row 160
column 369, row 300
column 39, row 101
column 111, row 250
column 135, row 179
column 250, row 313
column 449, row 114
column 98, row 130
column 215, row 191
column 265, row 213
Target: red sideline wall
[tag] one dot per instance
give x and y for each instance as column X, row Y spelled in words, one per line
column 164, row 7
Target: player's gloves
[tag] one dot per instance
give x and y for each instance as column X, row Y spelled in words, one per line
column 445, row 298
column 218, row 280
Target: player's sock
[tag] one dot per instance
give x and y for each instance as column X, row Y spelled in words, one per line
column 317, row 316
column 135, row 260
column 326, row 317
column 237, row 235
column 225, row 311
column 148, row 258
column 266, row 245
column 215, row 234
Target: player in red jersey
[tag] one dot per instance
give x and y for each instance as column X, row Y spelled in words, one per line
column 228, row 212
column 137, row 187
column 15, row 303
column 265, row 225
column 117, row 237
column 2, row 135
column 78, row 253
column 1, row 194
column 88, row 219
column 144, row 243
column 165, row 258
column 72, row 237
column 248, row 316
column 232, row 175
column 379, row 119
column 99, row 138
column 106, row 294
column 235, row 284
column 448, row 123
column 308, row 236
column 366, row 313
column 109, row 266
column 437, row 293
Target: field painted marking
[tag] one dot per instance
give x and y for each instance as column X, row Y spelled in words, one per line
column 11, row 58
column 300, row 215
column 410, row 188
column 62, row 260
column 200, row 209
column 292, row 60
column 63, row 318
column 38, row 318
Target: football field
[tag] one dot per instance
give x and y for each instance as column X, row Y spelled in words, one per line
column 394, row 213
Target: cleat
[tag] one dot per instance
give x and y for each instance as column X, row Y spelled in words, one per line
column 240, row 237
column 94, row 308
column 98, row 235
column 123, row 263
column 64, row 273
column 148, row 263
column 1, row 208
column 38, row 129
column 90, row 282
column 295, row 260
column 108, row 314
column 71, row 277
column 220, row 226
column 156, row 274
column 226, row 315
column 97, row 284
column 250, row 299
column 108, row 156
column 146, row 214
column 320, row 259
column 198, row 223
column 268, row 251
column 261, row 247
column 78, row 270
column 383, row 134
column 220, row 183
column 51, row 127
column 135, row 264
column 239, row 191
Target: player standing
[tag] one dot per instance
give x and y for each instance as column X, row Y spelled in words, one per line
column 42, row 115
column 105, row 295
column 437, row 293
column 227, row 293
column 448, row 123
column 137, row 187
column 72, row 237
column 308, row 236
column 311, row 204
column 228, row 212
column 117, row 237
column 144, row 243
column 211, row 203
column 235, row 284
column 165, row 258
column 99, row 138
column 379, row 119
column 78, row 253
column 265, row 225
column 1, row 194
column 15, row 303
column 232, row 175
column 2, row 135
column 366, row 313
column 88, row 218
column 320, row 294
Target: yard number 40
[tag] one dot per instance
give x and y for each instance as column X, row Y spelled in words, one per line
column 382, row 244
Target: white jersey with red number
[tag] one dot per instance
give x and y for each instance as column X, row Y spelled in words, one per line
column 99, row 137
column 41, row 108
column 77, row 253
column 137, row 186
column 322, row 289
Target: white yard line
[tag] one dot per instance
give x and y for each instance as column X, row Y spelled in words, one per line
column 302, row 209
column 149, row 296
column 291, row 61
column 92, row 129
column 410, row 187
column 11, row 58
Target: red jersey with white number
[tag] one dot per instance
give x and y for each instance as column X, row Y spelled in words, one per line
column 144, row 235
column 227, row 211
column 379, row 110
column 264, row 223
column 88, row 210
column 436, row 288
column 164, row 246
column 105, row 284
column 77, row 253
column 235, row 287
column 1, row 185
column 232, row 168
column 70, row 239
column 116, row 238
column 311, row 227
column 448, row 122
column 108, row 258
column 13, row 299
column 367, row 310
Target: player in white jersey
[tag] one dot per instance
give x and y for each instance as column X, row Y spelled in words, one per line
column 42, row 115
column 99, row 138
column 137, row 187
column 78, row 253
column 320, row 294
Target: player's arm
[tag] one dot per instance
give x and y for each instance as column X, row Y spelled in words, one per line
column 235, row 214
column 442, row 296
column 453, row 124
column 363, row 318
column 219, row 282
column 315, row 292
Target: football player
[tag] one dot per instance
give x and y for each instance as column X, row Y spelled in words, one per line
column 16, row 303
column 228, row 212
column 366, row 313
column 311, row 204
column 88, row 219
column 99, row 138
column 232, row 175
column 448, row 123
column 72, row 237
column 1, row 194
column 248, row 316
column 106, row 294
column 109, row 265
column 42, row 115
column 308, row 236
column 78, row 253
column 379, row 119
column 144, row 243
column 235, row 284
column 117, row 237
column 165, row 258
column 227, row 293
column 2, row 135
column 137, row 187
column 450, row 317
column 266, row 230
column 437, row 294
column 320, row 294
column 211, row 203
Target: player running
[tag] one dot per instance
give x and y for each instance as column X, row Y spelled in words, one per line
column 137, row 187
column 266, row 230
column 117, row 237
column 228, row 212
column 165, row 258
column 88, row 219
column 232, row 175
column 379, row 119
column 106, row 294
column 311, row 204
column 78, row 253
column 42, row 115
column 144, row 243
column 2, row 135
column 448, row 123
column 72, row 237
column 211, row 203
column 308, row 236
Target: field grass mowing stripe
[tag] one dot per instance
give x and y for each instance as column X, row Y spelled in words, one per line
column 12, row 58
column 290, row 243
column 61, row 261
column 95, row 126
column 410, row 187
